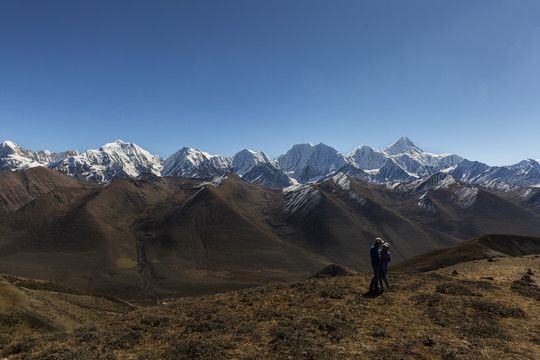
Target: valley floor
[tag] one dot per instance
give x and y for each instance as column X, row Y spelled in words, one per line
column 477, row 310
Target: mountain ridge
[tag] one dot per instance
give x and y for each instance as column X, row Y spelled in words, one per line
column 402, row 161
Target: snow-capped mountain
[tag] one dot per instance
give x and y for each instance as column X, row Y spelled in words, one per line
column 503, row 178
column 416, row 161
column 194, row 163
column 257, row 167
column 368, row 158
column 111, row 161
column 253, row 166
column 307, row 162
column 402, row 161
column 528, row 170
column 13, row 157
column 460, row 194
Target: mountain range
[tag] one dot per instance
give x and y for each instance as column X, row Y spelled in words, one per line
column 402, row 161
column 159, row 237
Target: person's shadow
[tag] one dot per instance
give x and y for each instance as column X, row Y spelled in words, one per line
column 371, row 294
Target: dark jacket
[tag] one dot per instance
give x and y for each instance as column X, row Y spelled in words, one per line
column 375, row 254
column 385, row 259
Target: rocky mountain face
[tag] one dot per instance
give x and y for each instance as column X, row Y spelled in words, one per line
column 402, row 161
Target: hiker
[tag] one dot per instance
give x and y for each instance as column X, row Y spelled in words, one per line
column 385, row 259
column 375, row 255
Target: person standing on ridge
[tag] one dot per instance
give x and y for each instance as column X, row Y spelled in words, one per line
column 375, row 255
column 385, row 259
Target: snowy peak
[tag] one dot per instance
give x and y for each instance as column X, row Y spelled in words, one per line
column 402, row 161
column 13, row 157
column 194, row 163
column 111, row 161
column 123, row 152
column 257, row 167
column 403, row 145
column 368, row 158
column 8, row 147
column 296, row 158
column 526, row 167
column 307, row 162
column 246, row 160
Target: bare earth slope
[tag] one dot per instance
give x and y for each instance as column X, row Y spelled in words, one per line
column 489, row 310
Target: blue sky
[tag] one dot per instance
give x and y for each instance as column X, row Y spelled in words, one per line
column 460, row 76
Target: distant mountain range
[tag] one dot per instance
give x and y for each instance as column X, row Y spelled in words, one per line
column 402, row 161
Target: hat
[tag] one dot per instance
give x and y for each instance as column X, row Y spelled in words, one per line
column 378, row 241
column 386, row 245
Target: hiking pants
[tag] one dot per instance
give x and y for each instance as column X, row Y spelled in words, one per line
column 376, row 276
column 383, row 278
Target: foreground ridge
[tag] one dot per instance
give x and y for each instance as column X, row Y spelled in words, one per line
column 484, row 309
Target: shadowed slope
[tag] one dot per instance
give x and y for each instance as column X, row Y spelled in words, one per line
column 84, row 238
column 339, row 218
column 221, row 240
column 18, row 188
column 481, row 247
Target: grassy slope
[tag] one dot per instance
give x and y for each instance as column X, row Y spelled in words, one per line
column 33, row 306
column 423, row 316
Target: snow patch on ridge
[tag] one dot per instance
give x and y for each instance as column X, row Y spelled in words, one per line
column 217, row 181
column 425, row 202
column 342, row 181
column 465, row 197
column 300, row 199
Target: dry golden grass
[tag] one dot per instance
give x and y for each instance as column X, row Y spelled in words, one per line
column 38, row 307
column 436, row 315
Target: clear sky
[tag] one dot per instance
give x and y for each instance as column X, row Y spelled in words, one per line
column 459, row 76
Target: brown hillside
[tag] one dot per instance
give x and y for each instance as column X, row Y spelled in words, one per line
column 18, row 188
column 33, row 306
column 481, row 247
column 157, row 238
column 422, row 316
column 342, row 228
column 220, row 239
